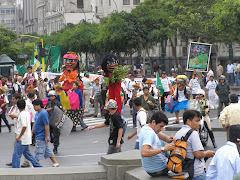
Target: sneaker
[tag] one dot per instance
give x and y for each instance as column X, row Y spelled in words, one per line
column 84, row 128
column 56, row 165
column 24, row 165
column 9, row 164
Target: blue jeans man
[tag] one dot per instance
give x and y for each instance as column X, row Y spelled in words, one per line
column 237, row 80
column 230, row 78
column 18, row 151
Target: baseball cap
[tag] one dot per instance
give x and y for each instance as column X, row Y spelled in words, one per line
column 111, row 104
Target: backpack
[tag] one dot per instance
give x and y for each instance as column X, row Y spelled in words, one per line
column 178, row 162
column 124, row 125
column 148, row 116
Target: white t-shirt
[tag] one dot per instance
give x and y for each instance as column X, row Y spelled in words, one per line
column 14, row 110
column 165, row 84
column 130, row 87
column 211, row 86
column 181, row 95
column 154, row 90
column 24, row 121
column 123, row 86
column 30, row 109
column 194, row 83
column 141, row 121
column 193, row 144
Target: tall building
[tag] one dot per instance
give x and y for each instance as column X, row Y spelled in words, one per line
column 8, row 15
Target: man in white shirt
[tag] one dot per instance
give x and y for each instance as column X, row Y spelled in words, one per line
column 130, row 88
column 209, row 74
column 30, row 74
column 18, row 86
column 237, row 68
column 166, row 83
column 23, row 137
column 86, row 92
column 230, row 72
column 226, row 162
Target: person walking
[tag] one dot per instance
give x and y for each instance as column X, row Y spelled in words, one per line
column 23, row 137
column 166, row 83
column 237, row 68
column 86, row 92
column 230, row 114
column 3, row 102
column 54, row 131
column 96, row 95
column 223, row 91
column 219, row 69
column 148, row 102
column 210, row 90
column 41, row 129
column 230, row 72
column 195, row 84
column 115, row 121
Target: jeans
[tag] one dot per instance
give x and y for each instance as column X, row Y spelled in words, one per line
column 136, row 145
column 165, row 94
column 18, row 151
column 134, row 117
column 3, row 117
column 230, row 78
column 55, row 134
column 164, row 172
column 123, row 105
column 97, row 100
column 220, row 105
column 237, row 80
column 201, row 177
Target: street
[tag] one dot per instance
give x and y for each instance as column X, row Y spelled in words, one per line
column 87, row 147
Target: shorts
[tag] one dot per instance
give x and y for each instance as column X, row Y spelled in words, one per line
column 42, row 150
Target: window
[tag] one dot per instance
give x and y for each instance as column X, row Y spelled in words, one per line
column 13, row 11
column 126, row 2
column 136, row 2
column 109, row 2
column 101, row 2
column 80, row 4
column 7, row 11
column 2, row 11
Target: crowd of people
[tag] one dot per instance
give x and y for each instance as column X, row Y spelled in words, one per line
column 30, row 101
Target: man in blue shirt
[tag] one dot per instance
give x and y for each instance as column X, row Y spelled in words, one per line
column 152, row 149
column 226, row 162
column 41, row 129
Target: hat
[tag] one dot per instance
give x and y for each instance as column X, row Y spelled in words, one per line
column 111, row 104
column 201, row 91
column 137, row 85
column 52, row 93
column 149, row 81
column 1, row 88
column 58, row 85
column 29, row 67
column 52, row 77
column 222, row 77
column 30, row 88
column 164, row 72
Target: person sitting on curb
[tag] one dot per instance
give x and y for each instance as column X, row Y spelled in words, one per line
column 195, row 154
column 226, row 162
column 115, row 121
column 142, row 120
column 152, row 149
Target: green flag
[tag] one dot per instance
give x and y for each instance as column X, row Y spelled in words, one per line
column 55, row 58
column 21, row 69
column 159, row 85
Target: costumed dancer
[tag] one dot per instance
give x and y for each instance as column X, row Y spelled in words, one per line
column 110, row 62
column 70, row 73
column 204, row 106
column 181, row 96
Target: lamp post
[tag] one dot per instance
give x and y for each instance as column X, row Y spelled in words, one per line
column 80, row 8
column 115, row 5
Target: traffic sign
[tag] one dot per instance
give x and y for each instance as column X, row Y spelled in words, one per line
column 22, row 56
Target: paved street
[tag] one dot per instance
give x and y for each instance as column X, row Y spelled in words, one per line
column 86, row 147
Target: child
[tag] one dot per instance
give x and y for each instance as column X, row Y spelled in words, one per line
column 204, row 106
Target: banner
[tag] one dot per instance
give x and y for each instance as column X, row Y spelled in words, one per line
column 199, row 56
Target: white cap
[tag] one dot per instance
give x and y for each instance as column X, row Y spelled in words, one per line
column 201, row 91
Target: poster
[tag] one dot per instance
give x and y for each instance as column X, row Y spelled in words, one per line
column 199, row 56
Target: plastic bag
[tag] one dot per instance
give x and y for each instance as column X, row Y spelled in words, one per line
column 169, row 102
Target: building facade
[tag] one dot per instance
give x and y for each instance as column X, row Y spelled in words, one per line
column 8, row 15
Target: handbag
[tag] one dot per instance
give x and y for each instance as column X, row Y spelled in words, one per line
column 169, row 102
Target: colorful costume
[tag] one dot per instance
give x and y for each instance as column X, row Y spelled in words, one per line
column 70, row 73
column 108, row 65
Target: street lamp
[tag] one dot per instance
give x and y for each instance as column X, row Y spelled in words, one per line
column 81, row 8
column 115, row 5
column 65, row 24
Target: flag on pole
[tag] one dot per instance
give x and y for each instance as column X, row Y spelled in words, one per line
column 159, row 85
column 36, row 64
